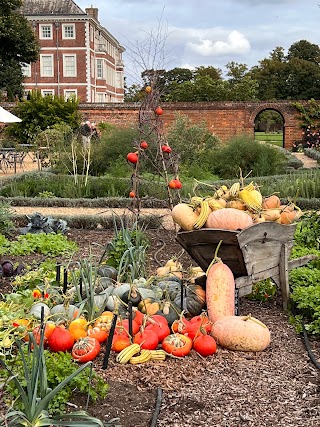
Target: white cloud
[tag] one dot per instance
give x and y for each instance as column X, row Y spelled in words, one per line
column 236, row 43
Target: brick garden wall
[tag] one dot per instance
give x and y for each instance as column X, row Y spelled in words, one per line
column 225, row 119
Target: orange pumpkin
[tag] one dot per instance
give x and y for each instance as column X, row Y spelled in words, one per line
column 229, row 219
column 271, row 202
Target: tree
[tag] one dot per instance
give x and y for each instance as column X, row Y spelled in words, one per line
column 18, row 45
column 303, row 81
column 40, row 113
column 304, row 50
column 271, row 76
column 212, row 72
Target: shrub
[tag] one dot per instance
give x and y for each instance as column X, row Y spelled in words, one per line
column 242, row 152
column 194, row 144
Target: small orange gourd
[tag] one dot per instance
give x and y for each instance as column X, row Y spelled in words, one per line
column 271, row 202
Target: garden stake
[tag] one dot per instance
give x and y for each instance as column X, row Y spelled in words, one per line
column 58, row 271
column 181, row 295
column 65, row 280
column 80, row 285
column 109, row 342
column 130, row 317
column 41, row 317
column 236, row 302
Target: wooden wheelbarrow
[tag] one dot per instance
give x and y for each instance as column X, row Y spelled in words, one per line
column 253, row 254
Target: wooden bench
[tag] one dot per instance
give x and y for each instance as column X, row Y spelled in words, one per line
column 253, row 254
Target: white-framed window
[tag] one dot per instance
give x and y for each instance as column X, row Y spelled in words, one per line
column 69, row 65
column 100, row 97
column 45, row 31
column 99, row 69
column 46, row 66
column 68, row 31
column 47, row 92
column 26, row 69
column 70, row 93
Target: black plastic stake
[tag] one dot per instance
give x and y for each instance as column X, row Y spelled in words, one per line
column 236, row 302
column 41, row 317
column 109, row 342
column 130, row 318
column 80, row 285
column 58, row 272
column 181, row 295
column 65, row 280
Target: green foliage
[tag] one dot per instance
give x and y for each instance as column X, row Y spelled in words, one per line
column 309, row 113
column 46, row 244
column 35, row 394
column 127, row 251
column 308, row 230
column 33, row 277
column 263, row 290
column 242, row 152
column 305, row 284
column 6, row 216
column 111, row 151
column 18, row 45
column 196, row 155
column 59, row 366
column 42, row 112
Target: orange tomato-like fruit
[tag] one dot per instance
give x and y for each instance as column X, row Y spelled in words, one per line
column 132, row 194
column 148, row 89
column 158, row 111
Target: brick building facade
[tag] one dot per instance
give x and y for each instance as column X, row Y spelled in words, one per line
column 78, row 56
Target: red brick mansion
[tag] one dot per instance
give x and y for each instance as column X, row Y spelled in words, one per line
column 78, row 56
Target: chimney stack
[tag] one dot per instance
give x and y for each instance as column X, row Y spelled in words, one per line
column 93, row 12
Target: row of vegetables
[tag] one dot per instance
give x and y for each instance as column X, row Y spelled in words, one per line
column 237, row 207
column 159, row 328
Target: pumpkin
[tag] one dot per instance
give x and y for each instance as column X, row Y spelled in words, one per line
column 289, row 214
column 220, row 290
column 60, row 339
column 228, row 219
column 107, row 271
column 61, row 312
column 184, row 216
column 271, row 202
column 37, row 308
column 205, row 345
column 147, row 339
column 271, row 214
column 170, row 311
column 149, row 306
column 243, row 333
column 194, row 299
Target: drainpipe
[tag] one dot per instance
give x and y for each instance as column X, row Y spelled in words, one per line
column 57, row 24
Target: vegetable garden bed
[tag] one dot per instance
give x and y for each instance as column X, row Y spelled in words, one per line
column 276, row 387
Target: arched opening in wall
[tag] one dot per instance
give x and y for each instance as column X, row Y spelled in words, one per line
column 269, row 127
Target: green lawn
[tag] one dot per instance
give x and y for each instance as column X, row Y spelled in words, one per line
column 271, row 138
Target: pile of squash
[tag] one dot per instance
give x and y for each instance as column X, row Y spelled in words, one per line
column 233, row 208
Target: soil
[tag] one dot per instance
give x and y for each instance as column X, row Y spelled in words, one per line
column 277, row 387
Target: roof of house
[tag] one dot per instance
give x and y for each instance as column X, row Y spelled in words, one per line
column 50, row 7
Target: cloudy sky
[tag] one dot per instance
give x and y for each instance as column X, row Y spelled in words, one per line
column 192, row 33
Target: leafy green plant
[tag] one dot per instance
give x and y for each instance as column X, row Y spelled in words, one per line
column 6, row 218
column 126, row 251
column 59, row 366
column 242, row 152
column 35, row 394
column 46, row 194
column 35, row 276
column 263, row 290
column 46, row 244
